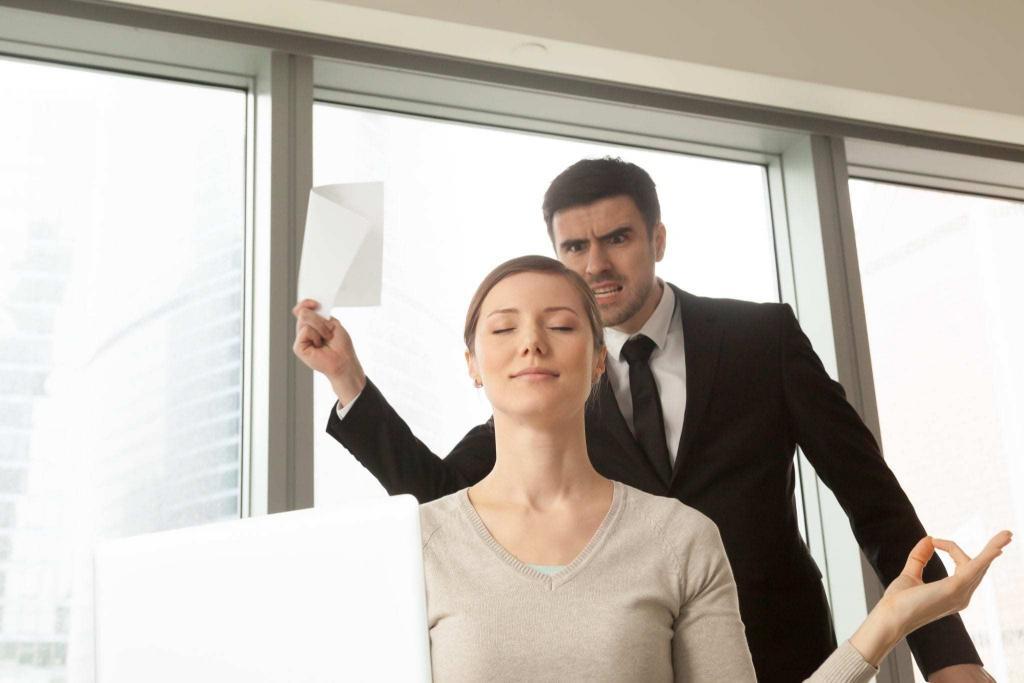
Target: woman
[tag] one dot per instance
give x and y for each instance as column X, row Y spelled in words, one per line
column 545, row 570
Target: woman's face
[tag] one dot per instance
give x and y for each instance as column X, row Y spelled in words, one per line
column 534, row 349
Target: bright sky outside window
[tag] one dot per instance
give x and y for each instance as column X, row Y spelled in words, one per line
column 942, row 284
column 121, row 254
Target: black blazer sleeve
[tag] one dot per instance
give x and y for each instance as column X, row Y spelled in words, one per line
column 383, row 443
column 847, row 458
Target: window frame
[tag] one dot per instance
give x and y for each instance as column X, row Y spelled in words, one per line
column 275, row 458
column 809, row 159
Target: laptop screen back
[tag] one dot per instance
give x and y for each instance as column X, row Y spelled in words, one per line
column 332, row 594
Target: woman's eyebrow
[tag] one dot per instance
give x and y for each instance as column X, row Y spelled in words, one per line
column 549, row 309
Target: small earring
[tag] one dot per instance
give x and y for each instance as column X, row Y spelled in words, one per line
column 477, row 383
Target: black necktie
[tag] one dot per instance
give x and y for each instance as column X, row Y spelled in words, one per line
column 648, row 423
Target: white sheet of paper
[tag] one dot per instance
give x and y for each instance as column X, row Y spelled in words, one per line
column 343, row 246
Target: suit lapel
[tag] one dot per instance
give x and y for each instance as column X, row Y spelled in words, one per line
column 702, row 337
column 611, row 418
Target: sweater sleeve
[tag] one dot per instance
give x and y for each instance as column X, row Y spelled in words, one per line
column 708, row 641
column 845, row 665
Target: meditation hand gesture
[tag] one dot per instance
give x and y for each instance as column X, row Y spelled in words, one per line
column 326, row 347
column 909, row 603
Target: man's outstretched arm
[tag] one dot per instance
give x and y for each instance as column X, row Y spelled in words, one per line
column 383, row 443
column 372, row 430
column 846, row 456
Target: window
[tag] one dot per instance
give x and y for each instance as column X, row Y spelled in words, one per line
column 121, row 271
column 123, row 204
column 942, row 282
column 459, row 200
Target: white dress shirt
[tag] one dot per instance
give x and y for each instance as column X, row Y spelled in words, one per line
column 668, row 365
column 343, row 410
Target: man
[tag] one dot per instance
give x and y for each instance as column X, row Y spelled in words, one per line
column 703, row 400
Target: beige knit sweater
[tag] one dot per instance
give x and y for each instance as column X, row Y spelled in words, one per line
column 650, row 598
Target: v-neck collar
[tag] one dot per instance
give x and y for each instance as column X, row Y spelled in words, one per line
column 550, row 581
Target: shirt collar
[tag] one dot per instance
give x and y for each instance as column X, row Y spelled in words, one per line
column 656, row 327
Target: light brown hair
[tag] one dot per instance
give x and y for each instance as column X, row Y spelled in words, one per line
column 534, row 264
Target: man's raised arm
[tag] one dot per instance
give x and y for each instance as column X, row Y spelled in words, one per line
column 366, row 424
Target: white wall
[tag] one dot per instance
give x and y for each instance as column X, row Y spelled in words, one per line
column 937, row 65
column 962, row 53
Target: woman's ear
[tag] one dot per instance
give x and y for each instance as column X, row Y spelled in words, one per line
column 474, row 373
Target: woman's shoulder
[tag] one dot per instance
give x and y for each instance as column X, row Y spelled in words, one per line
column 439, row 513
column 678, row 524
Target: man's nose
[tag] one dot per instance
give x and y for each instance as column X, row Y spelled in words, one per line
column 597, row 259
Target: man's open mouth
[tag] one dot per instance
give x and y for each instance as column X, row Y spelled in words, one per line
column 607, row 290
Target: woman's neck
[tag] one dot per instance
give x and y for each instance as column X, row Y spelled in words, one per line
column 539, row 465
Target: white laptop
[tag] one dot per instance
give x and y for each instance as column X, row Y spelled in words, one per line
column 333, row 594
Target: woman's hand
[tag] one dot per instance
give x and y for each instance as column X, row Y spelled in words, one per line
column 325, row 346
column 909, row 603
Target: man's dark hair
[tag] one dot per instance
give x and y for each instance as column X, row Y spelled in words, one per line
column 589, row 180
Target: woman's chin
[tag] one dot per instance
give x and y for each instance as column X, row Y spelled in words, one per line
column 543, row 410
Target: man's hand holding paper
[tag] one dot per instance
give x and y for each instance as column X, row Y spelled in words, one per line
column 342, row 251
column 326, row 347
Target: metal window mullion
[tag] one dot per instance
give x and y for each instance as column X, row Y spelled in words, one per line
column 850, row 338
column 281, row 415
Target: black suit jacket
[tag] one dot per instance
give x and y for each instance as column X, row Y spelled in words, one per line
column 755, row 390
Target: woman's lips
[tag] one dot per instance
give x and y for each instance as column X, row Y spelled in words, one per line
column 535, row 374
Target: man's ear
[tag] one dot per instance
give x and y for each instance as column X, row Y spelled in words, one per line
column 659, row 241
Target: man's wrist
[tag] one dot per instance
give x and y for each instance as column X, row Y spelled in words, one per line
column 347, row 387
column 961, row 672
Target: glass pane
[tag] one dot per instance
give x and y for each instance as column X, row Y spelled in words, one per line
column 459, row 200
column 942, row 284
column 121, row 243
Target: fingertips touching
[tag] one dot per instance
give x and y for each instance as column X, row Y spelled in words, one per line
column 919, row 557
column 954, row 551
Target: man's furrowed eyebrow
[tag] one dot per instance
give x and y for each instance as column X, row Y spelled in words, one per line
column 549, row 309
column 623, row 230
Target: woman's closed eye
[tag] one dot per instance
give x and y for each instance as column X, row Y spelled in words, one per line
column 557, row 328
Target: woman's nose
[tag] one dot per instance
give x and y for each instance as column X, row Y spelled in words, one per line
column 533, row 342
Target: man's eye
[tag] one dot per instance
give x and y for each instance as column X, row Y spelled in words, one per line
column 617, row 239
column 574, row 248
